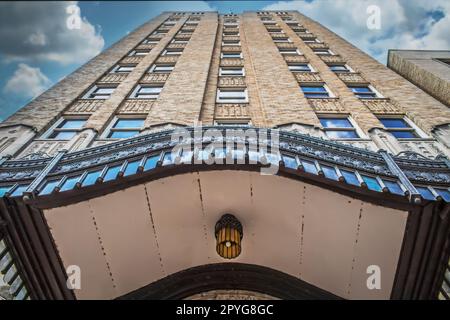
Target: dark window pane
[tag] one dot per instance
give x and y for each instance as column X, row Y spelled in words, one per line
column 351, row 134
column 403, row 134
column 309, row 167
column 393, row 187
column 372, row 183
column 168, row 159
column 394, row 123
column 111, row 174
column 49, row 186
column 290, row 162
column 316, row 95
column 129, row 123
column 91, row 178
column 123, row 134
column 131, row 168
column 72, row 124
column 329, row 172
column 338, row 68
column 350, row 177
column 151, row 162
column 335, row 123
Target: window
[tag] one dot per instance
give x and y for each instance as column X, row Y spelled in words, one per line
column 338, row 128
column 282, row 40
column 315, row 91
column 310, row 40
column 231, row 33
column 150, row 41
column 230, row 25
column 231, row 43
column 399, row 128
column 161, row 68
column 231, row 54
column 172, row 52
column 341, row 68
column 231, row 71
column 232, row 95
column 179, row 41
column 65, row 129
column 365, row 92
column 300, row 67
column 168, row 24
column 323, row 52
column 158, row 32
column 146, row 92
column 289, row 52
column 138, row 53
column 122, row 69
column 269, row 23
column 100, row 92
column 123, row 128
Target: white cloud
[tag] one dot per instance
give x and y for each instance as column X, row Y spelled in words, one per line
column 27, row 82
column 37, row 31
column 405, row 24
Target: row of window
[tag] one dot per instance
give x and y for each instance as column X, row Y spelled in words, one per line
column 231, row 95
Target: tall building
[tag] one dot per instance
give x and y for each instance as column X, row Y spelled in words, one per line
column 100, row 202
column 429, row 70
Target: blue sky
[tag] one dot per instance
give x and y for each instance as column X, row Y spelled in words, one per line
column 37, row 49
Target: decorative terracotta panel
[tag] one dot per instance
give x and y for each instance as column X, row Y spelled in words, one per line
column 327, row 105
column 231, row 62
column 231, row 82
column 155, row 77
column 382, row 106
column 136, row 106
column 307, row 76
column 295, row 59
column 133, row 59
column 332, row 59
column 85, row 106
column 233, row 111
column 113, row 78
column 167, row 59
column 351, row 77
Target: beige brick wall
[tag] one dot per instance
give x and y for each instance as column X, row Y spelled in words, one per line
column 420, row 107
column 182, row 96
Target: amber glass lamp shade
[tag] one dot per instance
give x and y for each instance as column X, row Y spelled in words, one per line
column 228, row 236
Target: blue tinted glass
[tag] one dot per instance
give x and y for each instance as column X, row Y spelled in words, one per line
column 290, row 162
column 131, row 168
column 445, row 194
column 335, row 123
column 316, row 95
column 329, row 172
column 403, row 134
column 220, row 153
column 4, row 190
column 123, row 134
column 350, row 134
column 350, row 177
column 69, row 183
column 129, row 123
column 361, row 89
column 393, row 187
column 167, row 158
column 372, row 183
column 111, row 174
column 49, row 186
column 426, row 193
column 19, row 191
column 313, row 89
column 72, row 124
column 394, row 123
column 63, row 135
column 309, row 167
column 91, row 178
column 338, row 68
column 151, row 162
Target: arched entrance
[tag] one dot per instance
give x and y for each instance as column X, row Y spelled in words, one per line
column 247, row 278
